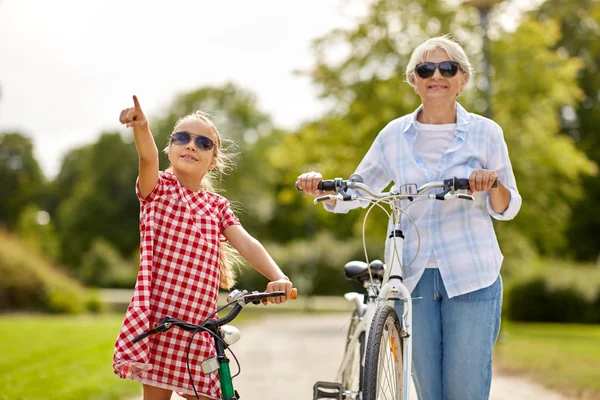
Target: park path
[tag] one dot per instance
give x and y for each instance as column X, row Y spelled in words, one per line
column 282, row 356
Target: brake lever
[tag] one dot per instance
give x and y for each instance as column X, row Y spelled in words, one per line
column 450, row 195
column 162, row 326
column 328, row 197
column 465, row 197
column 322, row 198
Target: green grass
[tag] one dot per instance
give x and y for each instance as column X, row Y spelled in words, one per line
column 63, row 357
column 563, row 357
column 60, row 357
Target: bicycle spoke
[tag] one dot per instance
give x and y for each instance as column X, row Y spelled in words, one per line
column 351, row 375
column 387, row 387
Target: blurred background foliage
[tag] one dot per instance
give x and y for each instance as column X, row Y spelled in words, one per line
column 80, row 228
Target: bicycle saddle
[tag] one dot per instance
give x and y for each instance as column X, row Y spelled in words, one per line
column 358, row 270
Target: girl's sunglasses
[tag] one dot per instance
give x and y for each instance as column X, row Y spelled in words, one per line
column 183, row 137
column 447, row 68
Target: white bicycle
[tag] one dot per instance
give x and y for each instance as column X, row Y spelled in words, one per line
column 376, row 364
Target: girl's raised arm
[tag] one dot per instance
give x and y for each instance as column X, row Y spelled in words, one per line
column 144, row 141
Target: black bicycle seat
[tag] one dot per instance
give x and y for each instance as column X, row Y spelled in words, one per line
column 359, row 270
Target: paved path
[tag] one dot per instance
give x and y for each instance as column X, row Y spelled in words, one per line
column 282, row 356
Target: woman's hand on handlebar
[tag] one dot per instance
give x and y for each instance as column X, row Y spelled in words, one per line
column 482, row 180
column 309, row 182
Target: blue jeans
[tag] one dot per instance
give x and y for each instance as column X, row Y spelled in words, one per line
column 453, row 339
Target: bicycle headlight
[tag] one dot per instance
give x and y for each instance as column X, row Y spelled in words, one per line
column 231, row 334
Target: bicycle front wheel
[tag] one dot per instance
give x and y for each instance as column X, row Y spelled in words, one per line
column 384, row 362
column 353, row 372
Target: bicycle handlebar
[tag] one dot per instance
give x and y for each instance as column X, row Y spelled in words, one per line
column 341, row 186
column 166, row 323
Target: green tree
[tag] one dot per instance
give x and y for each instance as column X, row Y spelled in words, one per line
column 21, row 180
column 102, row 201
column 580, row 26
column 37, row 231
column 72, row 170
column 533, row 81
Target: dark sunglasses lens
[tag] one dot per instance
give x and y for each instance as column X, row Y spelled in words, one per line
column 204, row 143
column 448, row 68
column 425, row 70
column 180, row 138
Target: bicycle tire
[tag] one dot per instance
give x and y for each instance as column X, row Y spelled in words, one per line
column 352, row 376
column 383, row 374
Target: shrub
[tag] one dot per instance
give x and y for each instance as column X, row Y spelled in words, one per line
column 103, row 266
column 519, row 254
column 535, row 300
column 30, row 283
column 595, row 309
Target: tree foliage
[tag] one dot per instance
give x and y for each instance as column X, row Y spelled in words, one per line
column 580, row 24
column 21, row 180
column 102, row 201
column 539, row 81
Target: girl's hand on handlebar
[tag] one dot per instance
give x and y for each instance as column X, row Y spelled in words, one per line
column 308, row 183
column 482, row 180
column 280, row 285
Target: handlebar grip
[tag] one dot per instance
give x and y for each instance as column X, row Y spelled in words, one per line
column 330, row 185
column 323, row 185
column 327, row 185
column 293, row 296
column 463, row 183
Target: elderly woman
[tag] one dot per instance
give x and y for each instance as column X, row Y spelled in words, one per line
column 455, row 279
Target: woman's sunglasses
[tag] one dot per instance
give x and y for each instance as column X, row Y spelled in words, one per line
column 183, row 137
column 447, row 68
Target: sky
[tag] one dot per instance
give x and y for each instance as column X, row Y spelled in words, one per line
column 68, row 67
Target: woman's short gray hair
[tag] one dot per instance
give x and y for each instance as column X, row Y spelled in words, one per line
column 453, row 49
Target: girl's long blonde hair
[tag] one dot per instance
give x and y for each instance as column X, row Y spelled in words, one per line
column 229, row 259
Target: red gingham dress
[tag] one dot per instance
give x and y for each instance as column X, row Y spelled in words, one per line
column 180, row 233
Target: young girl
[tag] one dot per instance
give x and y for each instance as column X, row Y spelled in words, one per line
column 182, row 262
